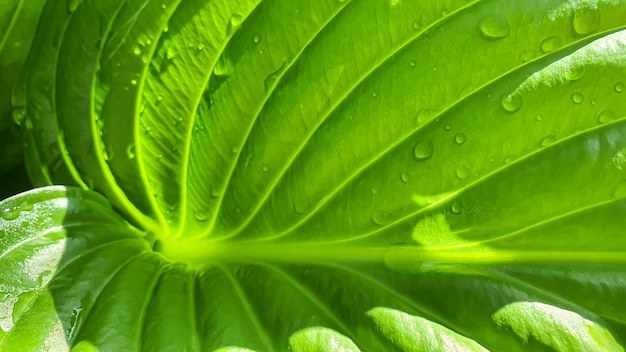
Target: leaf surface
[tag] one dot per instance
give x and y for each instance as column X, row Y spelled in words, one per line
column 339, row 175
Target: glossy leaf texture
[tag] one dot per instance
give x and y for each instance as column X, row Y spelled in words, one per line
column 357, row 175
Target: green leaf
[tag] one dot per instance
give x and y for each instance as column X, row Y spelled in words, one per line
column 18, row 22
column 357, row 175
column 411, row 333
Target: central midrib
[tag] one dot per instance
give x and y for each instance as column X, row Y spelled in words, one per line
column 406, row 256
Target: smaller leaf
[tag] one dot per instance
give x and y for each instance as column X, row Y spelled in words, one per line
column 320, row 339
column 558, row 328
column 412, row 333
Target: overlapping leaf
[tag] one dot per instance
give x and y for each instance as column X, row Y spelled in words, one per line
column 18, row 22
column 358, row 175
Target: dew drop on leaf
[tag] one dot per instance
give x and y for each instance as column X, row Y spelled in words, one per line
column 200, row 216
column 381, row 218
column 539, row 117
column 448, row 127
column 509, row 159
column 73, row 5
column 423, row 116
column 462, row 172
column 512, row 103
column 222, row 68
column 585, row 20
column 137, row 51
column 12, row 213
column 412, row 63
column 301, row 207
column 526, row 56
column 4, row 296
column 577, row 97
column 233, row 24
column 456, row 207
column 374, row 94
column 460, row 138
column 495, row 27
column 606, row 116
column 619, row 87
column 41, row 277
column 575, row 73
column 256, row 39
column 550, row 44
column 547, row 140
column 424, row 150
column 130, row 151
column 405, row 177
column 75, row 320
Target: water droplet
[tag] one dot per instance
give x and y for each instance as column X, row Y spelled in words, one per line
column 526, row 56
column 405, row 177
column 381, row 218
column 233, row 24
column 412, row 63
column 375, row 94
column 159, row 100
column 550, row 44
column 73, row 5
column 606, row 116
column 130, row 151
column 75, row 321
column 416, row 25
column 462, row 172
column 495, row 27
column 512, row 103
column 42, row 276
column 200, row 216
column 395, row 2
column 509, row 159
column 374, row 190
column 574, row 73
column 12, row 213
column 424, row 150
column 137, row 51
column 301, row 207
column 4, row 296
column 170, row 53
column 619, row 87
column 456, row 207
column 585, row 20
column 577, row 97
column 423, row 116
column 265, row 168
column 133, row 82
column 256, row 39
column 539, row 117
column 547, row 140
column 460, row 138
column 222, row 68
column 448, row 127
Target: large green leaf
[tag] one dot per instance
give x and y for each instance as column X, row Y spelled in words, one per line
column 356, row 175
